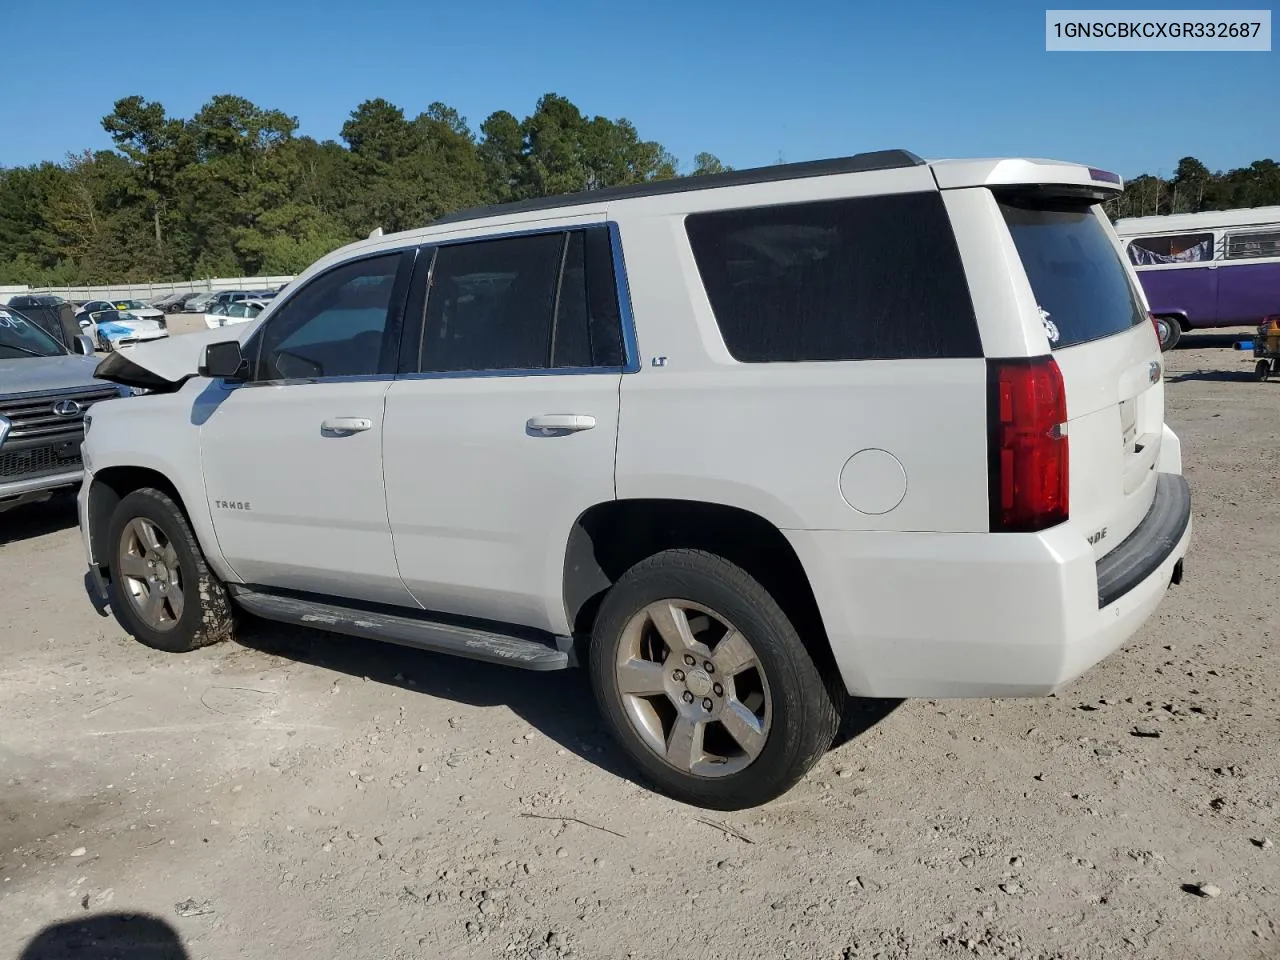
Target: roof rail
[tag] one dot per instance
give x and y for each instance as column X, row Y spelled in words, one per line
column 858, row 163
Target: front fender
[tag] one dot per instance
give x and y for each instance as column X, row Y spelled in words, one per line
column 158, row 433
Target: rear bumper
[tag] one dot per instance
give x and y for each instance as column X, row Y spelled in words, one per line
column 988, row 615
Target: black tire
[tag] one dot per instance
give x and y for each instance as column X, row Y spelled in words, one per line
column 1172, row 332
column 805, row 707
column 1262, row 369
column 207, row 616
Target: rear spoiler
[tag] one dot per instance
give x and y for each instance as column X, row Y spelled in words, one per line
column 1047, row 179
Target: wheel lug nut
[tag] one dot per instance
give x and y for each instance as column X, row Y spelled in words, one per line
column 719, row 690
column 707, row 704
column 689, row 661
column 688, row 697
column 709, row 667
column 678, row 675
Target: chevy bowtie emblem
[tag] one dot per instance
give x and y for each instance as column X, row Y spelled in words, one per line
column 66, row 408
column 1153, row 371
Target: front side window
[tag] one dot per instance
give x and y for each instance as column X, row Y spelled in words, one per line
column 1174, row 248
column 865, row 278
column 334, row 326
column 523, row 303
column 1251, row 246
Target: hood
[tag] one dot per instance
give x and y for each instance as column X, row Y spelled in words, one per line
column 165, row 365
column 29, row 374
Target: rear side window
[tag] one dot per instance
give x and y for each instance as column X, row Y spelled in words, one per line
column 532, row 302
column 1249, row 246
column 1080, row 283
column 868, row 278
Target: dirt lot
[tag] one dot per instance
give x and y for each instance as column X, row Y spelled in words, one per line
column 303, row 796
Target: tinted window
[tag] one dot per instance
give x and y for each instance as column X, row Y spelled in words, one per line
column 1178, row 248
column 853, row 279
column 588, row 328
column 1247, row 246
column 19, row 337
column 334, row 326
column 1080, row 283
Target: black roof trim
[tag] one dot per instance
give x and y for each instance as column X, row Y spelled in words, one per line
column 858, row 163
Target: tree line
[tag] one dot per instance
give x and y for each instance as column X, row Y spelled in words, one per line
column 1193, row 188
column 235, row 191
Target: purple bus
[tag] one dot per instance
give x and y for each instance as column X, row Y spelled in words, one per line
column 1203, row 270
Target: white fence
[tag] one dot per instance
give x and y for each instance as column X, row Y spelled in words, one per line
column 147, row 291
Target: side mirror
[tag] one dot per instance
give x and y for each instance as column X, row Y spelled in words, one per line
column 83, row 345
column 225, row 361
column 85, row 323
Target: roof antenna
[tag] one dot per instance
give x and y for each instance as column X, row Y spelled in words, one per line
column 377, row 232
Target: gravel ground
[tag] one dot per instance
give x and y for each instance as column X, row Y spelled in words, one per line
column 298, row 795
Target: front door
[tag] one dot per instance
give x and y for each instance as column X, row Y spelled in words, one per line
column 293, row 458
column 506, row 432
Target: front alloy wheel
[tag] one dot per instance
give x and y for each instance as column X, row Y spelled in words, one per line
column 152, row 574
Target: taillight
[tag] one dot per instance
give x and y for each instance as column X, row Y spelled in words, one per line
column 1028, row 444
column 1155, row 325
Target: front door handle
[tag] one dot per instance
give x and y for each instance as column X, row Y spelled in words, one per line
column 346, row 425
column 561, row 423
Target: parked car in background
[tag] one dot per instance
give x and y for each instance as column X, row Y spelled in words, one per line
column 135, row 308
column 1220, row 268
column 199, row 303
column 111, row 329
column 241, row 311
column 45, row 390
column 173, row 302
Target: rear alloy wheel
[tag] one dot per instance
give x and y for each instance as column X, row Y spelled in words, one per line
column 162, row 592
column 705, row 683
column 1169, row 331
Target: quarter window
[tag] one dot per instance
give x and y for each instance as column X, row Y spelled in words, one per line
column 852, row 279
column 1171, row 248
column 334, row 326
column 1250, row 246
column 523, row 303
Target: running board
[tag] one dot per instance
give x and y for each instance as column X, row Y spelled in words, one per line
column 460, row 641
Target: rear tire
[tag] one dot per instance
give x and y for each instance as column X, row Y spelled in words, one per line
column 1262, row 369
column 706, row 685
column 1169, row 331
column 161, row 590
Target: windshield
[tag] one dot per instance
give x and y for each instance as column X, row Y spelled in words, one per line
column 19, row 337
column 1081, row 284
column 130, row 305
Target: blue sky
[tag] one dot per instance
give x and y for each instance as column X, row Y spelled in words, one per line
column 749, row 81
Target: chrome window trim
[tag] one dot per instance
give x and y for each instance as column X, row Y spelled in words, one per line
column 622, row 287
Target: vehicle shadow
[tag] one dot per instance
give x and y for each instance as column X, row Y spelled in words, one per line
column 38, row 519
column 559, row 704
column 1214, row 376
column 1195, row 340
column 107, row 936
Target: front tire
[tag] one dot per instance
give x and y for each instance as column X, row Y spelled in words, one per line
column 705, row 683
column 161, row 590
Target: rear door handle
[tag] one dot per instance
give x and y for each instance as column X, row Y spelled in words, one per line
column 561, row 423
column 346, row 424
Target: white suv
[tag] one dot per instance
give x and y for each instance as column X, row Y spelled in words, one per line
column 742, row 444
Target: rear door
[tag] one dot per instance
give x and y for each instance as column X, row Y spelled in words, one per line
column 1106, row 347
column 503, row 431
